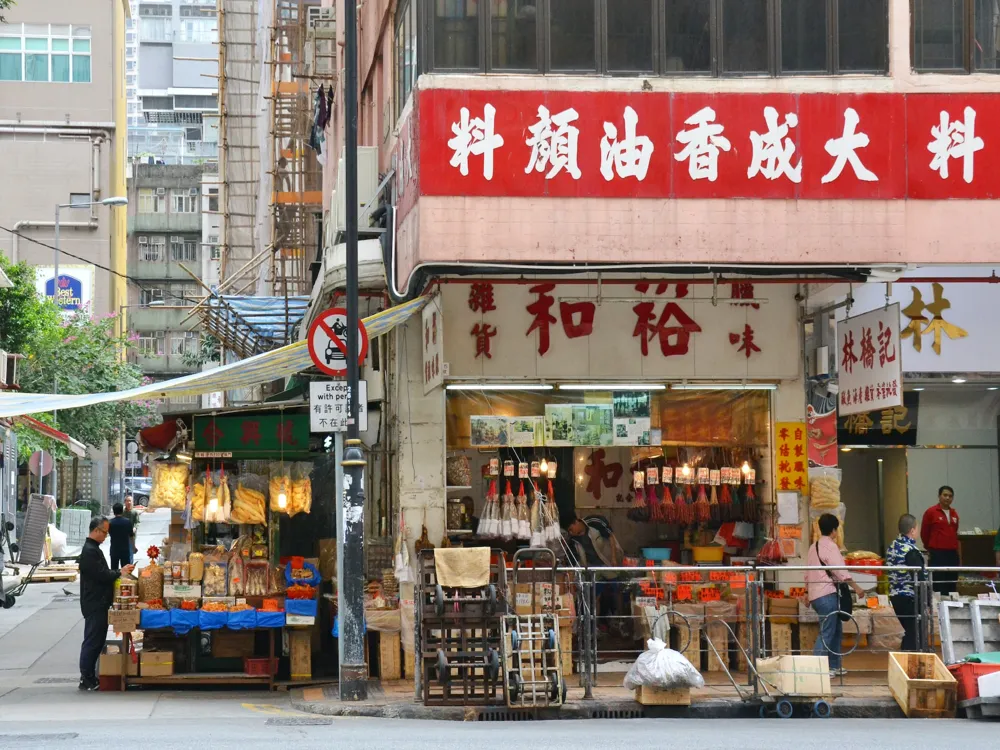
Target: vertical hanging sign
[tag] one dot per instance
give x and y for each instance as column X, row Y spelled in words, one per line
column 432, row 342
column 870, row 362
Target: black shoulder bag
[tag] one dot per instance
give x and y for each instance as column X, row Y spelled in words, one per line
column 846, row 603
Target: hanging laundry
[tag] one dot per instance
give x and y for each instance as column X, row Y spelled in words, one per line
column 321, row 114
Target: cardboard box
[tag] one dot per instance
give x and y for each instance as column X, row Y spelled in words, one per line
column 543, row 601
column 783, row 611
column 110, row 665
column 182, row 591
column 227, row 644
column 123, row 620
column 156, row 663
column 797, row 675
column 300, row 654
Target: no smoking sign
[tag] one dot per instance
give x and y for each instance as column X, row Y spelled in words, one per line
column 328, row 342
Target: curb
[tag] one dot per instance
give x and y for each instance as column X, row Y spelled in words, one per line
column 843, row 708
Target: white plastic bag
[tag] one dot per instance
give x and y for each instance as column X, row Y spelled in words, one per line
column 58, row 540
column 662, row 667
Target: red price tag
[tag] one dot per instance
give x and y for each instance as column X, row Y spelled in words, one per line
column 691, row 577
column 719, row 576
column 650, row 563
column 683, row 593
column 670, row 578
column 710, row 594
column 797, row 592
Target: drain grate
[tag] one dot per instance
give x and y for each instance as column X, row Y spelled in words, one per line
column 297, row 722
column 503, row 715
column 616, row 713
column 56, row 680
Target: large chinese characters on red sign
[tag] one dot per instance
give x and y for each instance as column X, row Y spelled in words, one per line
column 870, row 362
column 679, row 145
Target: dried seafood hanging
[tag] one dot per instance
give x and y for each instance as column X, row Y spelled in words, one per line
column 702, row 510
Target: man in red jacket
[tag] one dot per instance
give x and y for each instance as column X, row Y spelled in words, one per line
column 939, row 532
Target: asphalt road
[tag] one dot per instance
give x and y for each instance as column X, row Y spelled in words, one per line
column 104, row 731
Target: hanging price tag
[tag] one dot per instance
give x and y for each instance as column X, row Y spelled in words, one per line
column 703, row 475
column 536, row 470
column 522, row 470
column 652, row 475
column 638, row 480
column 494, row 467
column 683, row 593
column 551, row 473
column 715, row 477
column 667, row 475
column 508, row 468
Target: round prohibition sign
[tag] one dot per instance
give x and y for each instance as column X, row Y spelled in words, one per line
column 327, row 341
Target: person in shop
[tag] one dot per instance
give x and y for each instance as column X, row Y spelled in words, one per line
column 122, row 537
column 904, row 552
column 592, row 544
column 939, row 533
column 822, row 586
column 97, row 592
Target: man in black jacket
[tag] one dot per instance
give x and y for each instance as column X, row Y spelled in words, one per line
column 97, row 592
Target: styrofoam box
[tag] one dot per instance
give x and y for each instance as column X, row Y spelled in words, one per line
column 989, row 685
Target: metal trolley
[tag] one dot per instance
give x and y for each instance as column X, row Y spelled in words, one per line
column 532, row 658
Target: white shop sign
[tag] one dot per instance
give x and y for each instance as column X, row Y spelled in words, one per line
column 944, row 327
column 328, row 406
column 432, row 345
column 870, row 361
column 652, row 331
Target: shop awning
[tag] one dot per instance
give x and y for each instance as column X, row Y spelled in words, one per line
column 248, row 372
column 75, row 446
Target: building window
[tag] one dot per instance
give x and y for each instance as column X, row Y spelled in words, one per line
column 152, row 201
column 151, row 249
column 183, row 250
column 668, row 37
column 151, row 343
column 956, row 36
column 405, row 52
column 456, row 34
column 183, row 343
column 213, row 200
column 80, row 199
column 40, row 53
column 216, row 252
column 149, row 295
column 514, row 34
column 184, row 201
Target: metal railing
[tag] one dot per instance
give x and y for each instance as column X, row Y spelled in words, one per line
column 613, row 611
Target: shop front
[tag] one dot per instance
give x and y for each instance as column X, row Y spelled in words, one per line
column 649, row 405
column 237, row 583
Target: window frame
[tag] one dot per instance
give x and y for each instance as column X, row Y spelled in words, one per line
column 543, row 40
column 968, row 35
column 182, row 202
column 147, row 198
column 74, row 33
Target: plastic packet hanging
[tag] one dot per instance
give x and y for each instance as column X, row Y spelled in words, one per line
column 218, row 505
column 300, row 500
column 279, row 486
column 523, row 515
column 401, row 556
column 250, row 500
column 508, row 515
column 170, row 482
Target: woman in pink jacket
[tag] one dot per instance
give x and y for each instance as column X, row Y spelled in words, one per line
column 823, row 592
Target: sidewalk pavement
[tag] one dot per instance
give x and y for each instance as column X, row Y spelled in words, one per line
column 855, row 698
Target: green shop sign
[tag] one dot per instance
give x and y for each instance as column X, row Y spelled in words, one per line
column 252, row 436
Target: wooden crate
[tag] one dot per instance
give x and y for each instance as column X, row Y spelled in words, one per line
column 781, row 639
column 651, row 696
column 692, row 651
column 922, row 686
column 410, row 667
column 389, row 664
column 566, row 647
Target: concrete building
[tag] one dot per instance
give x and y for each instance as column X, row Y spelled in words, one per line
column 62, row 141
column 166, row 232
column 567, row 152
column 173, row 90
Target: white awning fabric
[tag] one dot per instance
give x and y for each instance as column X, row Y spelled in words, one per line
column 282, row 362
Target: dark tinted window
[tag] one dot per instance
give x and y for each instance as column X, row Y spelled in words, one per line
column 744, row 36
column 571, row 34
column 630, row 35
column 863, row 30
column 803, row 36
column 456, row 33
column 687, row 25
column 987, row 35
column 514, row 30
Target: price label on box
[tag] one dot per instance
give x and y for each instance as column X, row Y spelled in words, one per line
column 709, row 594
column 683, row 593
column 798, row 592
column 645, row 601
column 691, row 576
column 719, row 576
column 670, row 578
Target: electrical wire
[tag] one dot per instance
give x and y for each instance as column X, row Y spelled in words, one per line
column 68, row 254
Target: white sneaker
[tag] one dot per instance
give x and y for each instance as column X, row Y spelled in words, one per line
column 840, row 672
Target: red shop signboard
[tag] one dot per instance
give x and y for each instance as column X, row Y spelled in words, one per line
column 689, row 145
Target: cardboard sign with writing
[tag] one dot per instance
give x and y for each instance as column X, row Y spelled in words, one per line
column 683, row 593
column 789, row 532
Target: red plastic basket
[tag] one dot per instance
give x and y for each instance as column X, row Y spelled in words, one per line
column 968, row 674
column 260, row 667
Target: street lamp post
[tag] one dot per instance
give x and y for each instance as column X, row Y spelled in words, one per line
column 112, row 202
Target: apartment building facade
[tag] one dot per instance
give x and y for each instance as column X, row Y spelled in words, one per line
column 172, row 77
column 166, row 236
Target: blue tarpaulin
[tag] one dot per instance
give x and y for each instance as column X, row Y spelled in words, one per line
column 153, row 619
column 212, row 620
column 270, row 619
column 336, row 627
column 245, row 620
column 261, row 322
column 183, row 620
column 301, row 607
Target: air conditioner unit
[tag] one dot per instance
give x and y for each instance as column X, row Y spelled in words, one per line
column 367, row 185
column 143, row 239
column 321, row 20
column 193, row 191
column 161, row 191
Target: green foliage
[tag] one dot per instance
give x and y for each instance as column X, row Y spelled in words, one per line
column 82, row 354
column 22, row 310
column 208, row 351
column 5, row 5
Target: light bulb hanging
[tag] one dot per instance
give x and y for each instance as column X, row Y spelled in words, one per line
column 282, row 500
column 686, row 470
column 544, row 467
column 745, row 468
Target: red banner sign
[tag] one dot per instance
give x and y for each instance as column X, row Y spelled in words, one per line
column 681, row 145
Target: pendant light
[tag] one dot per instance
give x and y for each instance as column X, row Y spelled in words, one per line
column 282, row 497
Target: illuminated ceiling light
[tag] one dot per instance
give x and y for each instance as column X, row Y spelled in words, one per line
column 611, row 387
column 498, row 387
column 845, row 450
column 958, row 381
